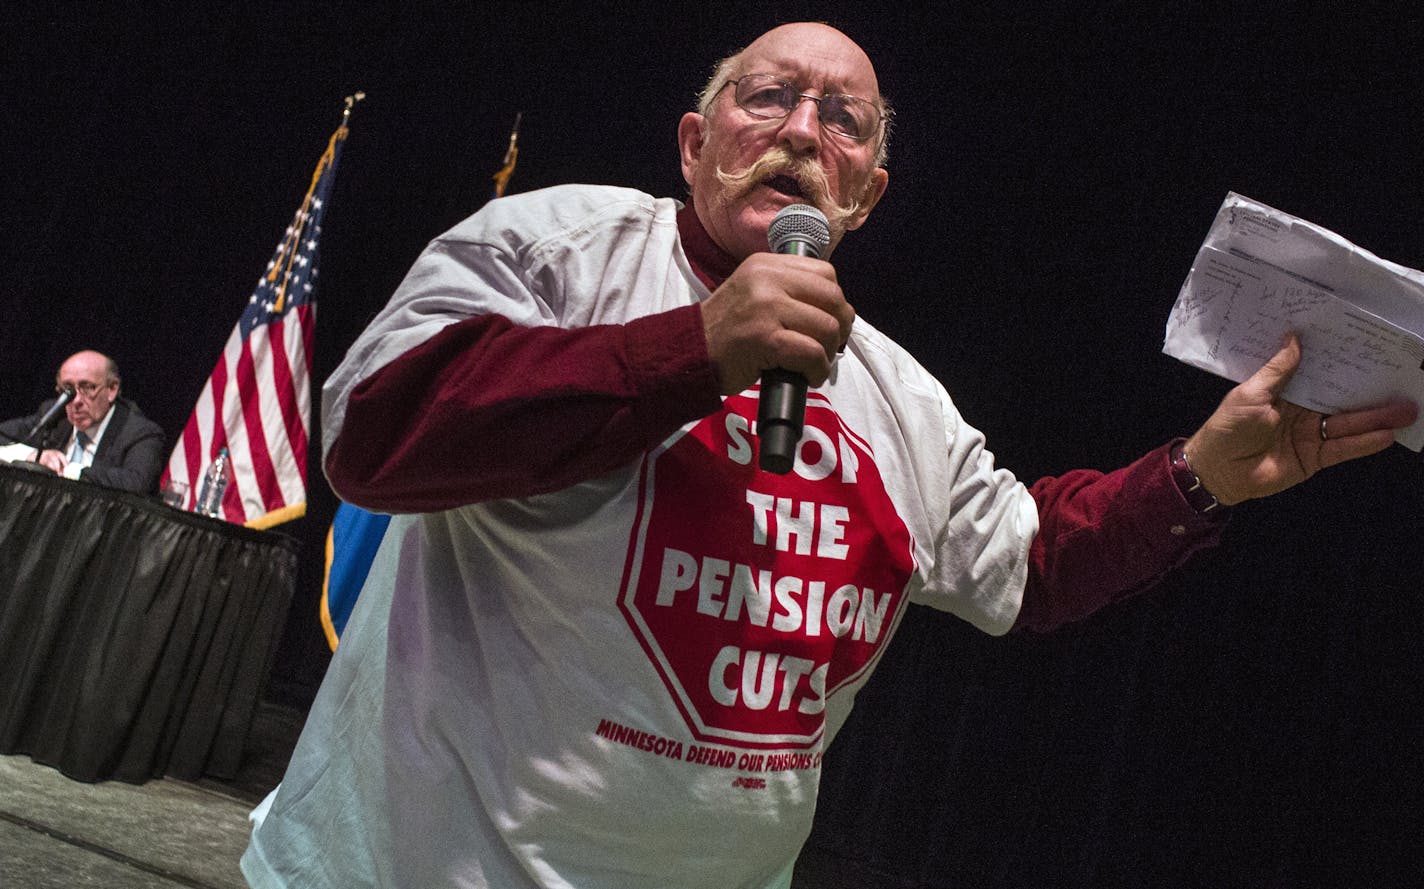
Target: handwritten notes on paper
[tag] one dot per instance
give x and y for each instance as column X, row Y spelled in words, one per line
column 1262, row 274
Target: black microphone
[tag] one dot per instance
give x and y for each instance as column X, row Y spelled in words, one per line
column 52, row 414
column 800, row 230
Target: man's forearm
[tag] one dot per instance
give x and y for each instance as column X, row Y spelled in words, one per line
column 487, row 409
column 1105, row 536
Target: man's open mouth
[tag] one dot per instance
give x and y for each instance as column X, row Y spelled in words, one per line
column 787, row 185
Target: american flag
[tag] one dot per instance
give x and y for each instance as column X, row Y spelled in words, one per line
column 257, row 402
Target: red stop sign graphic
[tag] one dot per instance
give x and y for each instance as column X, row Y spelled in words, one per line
column 758, row 595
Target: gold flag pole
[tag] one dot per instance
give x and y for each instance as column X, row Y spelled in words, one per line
column 281, row 266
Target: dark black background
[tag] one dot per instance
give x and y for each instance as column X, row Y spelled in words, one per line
column 1254, row 721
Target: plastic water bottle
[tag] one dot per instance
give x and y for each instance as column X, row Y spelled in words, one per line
column 210, row 495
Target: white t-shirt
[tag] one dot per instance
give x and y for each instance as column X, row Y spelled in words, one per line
column 629, row 683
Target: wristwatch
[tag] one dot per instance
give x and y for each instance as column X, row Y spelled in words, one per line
column 1188, row 483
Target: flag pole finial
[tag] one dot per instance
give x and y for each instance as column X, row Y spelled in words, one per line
column 351, row 101
column 511, row 154
column 514, row 133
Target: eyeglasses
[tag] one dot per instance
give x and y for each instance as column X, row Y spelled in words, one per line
column 84, row 387
column 771, row 98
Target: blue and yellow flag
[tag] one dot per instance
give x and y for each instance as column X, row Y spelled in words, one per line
column 351, row 544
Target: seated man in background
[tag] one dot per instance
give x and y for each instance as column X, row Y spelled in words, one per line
column 102, row 438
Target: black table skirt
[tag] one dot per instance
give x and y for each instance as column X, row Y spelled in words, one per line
column 135, row 639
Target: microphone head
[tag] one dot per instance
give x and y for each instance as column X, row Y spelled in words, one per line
column 799, row 229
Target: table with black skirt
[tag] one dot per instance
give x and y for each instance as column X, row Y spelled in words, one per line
column 135, row 639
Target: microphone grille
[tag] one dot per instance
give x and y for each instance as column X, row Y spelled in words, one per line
column 799, row 223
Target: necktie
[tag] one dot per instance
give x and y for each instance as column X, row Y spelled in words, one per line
column 80, row 442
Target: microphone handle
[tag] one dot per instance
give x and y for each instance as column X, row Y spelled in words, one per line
column 781, row 413
column 781, row 408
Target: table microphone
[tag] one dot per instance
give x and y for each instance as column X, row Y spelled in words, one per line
column 65, row 397
column 800, row 230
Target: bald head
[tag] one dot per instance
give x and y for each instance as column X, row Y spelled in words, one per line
column 90, row 362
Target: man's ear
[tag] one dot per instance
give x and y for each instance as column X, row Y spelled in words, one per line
column 690, row 136
column 874, row 191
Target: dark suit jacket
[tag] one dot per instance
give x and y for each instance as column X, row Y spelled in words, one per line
column 130, row 455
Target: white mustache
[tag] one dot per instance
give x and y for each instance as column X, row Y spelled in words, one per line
column 778, row 161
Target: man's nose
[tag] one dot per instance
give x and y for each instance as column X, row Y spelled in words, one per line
column 801, row 130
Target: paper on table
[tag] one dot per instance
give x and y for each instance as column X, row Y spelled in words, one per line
column 1262, row 274
column 11, row 452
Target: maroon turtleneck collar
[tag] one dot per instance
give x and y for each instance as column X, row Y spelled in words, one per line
column 712, row 264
